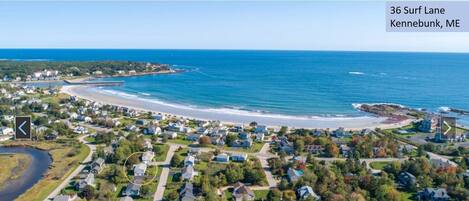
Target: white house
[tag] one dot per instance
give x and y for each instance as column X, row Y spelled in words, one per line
column 147, row 157
column 6, row 131
column 140, row 169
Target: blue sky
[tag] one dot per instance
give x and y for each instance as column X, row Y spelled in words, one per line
column 212, row 25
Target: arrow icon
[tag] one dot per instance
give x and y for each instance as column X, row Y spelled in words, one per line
column 448, row 129
column 21, row 129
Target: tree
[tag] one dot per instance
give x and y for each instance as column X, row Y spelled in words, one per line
column 284, row 184
column 176, row 161
column 299, row 145
column 289, row 195
column 205, row 140
column 234, row 174
column 230, row 138
column 88, row 192
column 173, row 195
column 283, row 131
column 332, row 150
column 274, row 195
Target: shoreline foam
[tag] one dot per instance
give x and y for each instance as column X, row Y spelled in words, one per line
column 226, row 115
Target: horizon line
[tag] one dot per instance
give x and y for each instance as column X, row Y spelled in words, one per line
column 237, row 49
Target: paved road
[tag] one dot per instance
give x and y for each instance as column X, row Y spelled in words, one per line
column 263, row 156
column 65, row 182
column 164, row 173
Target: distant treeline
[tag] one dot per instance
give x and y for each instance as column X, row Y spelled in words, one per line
column 22, row 69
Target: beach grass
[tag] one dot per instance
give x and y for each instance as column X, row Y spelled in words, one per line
column 65, row 159
column 13, row 166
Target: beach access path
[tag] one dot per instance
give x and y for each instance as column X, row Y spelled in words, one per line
column 77, row 171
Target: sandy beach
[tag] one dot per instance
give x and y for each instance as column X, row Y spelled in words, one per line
column 226, row 115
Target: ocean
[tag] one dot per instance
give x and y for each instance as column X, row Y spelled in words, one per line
column 298, row 83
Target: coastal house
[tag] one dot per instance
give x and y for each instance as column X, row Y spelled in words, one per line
column 51, row 136
column 345, row 150
column 147, row 145
column 406, row 180
column 187, row 192
column 152, row 130
column 244, row 135
column 247, row 143
column 193, row 137
column 314, row 149
column 132, row 190
column 433, row 194
column 88, row 180
column 65, row 197
column 366, row 131
column 6, row 131
column 286, row 146
column 194, row 151
column 237, row 129
column 223, row 158
column 171, row 135
column 97, row 165
column 189, row 160
column 126, row 198
column 241, row 192
column 441, row 163
column 239, row 157
column 140, row 169
column 80, row 130
column 340, row 133
column 147, row 157
column 294, row 175
column 158, row 117
column 188, row 173
column 260, row 137
column 305, row 192
column 428, row 124
column 261, row 129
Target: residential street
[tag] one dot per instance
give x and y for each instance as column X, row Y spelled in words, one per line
column 164, row 173
column 65, row 182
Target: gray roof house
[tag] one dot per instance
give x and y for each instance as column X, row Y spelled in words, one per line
column 187, row 193
column 64, row 198
column 132, row 190
column 241, row 192
column 97, row 165
column 88, row 180
column 188, row 173
column 222, row 158
column 406, row 179
column 239, row 157
column 433, row 194
column 305, row 192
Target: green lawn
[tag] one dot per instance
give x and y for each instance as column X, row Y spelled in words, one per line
column 256, row 147
column 179, row 141
column 378, row 165
column 261, row 194
column 163, row 151
column 90, row 139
